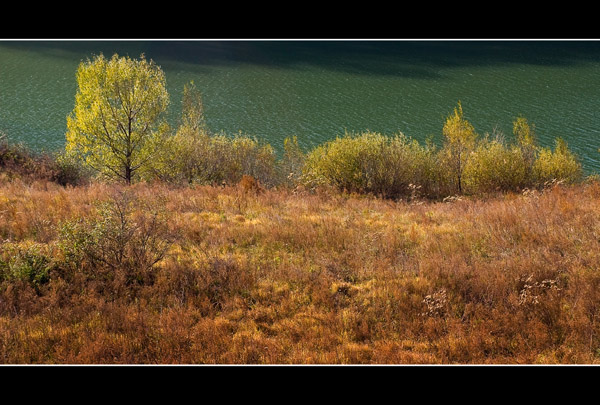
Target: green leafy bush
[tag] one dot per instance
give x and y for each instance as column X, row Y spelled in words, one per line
column 249, row 157
column 195, row 157
column 371, row 163
column 494, row 166
column 25, row 262
column 558, row 165
column 125, row 239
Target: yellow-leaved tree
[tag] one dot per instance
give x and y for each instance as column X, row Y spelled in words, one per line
column 117, row 126
column 459, row 139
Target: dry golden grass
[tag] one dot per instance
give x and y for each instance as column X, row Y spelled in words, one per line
column 278, row 277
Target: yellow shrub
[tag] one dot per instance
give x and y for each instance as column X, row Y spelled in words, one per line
column 558, row 165
column 371, row 163
column 493, row 166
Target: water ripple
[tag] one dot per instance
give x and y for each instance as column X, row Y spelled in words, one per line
column 318, row 90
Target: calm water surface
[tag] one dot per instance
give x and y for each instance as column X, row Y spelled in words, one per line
column 318, row 89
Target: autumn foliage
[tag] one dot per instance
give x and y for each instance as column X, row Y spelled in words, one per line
column 146, row 245
column 156, row 274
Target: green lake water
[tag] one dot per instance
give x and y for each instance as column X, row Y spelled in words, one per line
column 317, row 90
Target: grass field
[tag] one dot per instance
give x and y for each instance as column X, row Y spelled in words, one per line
column 150, row 274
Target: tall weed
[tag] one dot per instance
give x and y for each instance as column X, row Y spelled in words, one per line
column 123, row 241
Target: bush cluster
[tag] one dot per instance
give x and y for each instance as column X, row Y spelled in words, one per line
column 369, row 162
column 397, row 166
column 199, row 158
column 121, row 243
column 372, row 163
column 134, row 142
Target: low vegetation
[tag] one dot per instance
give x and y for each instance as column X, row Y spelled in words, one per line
column 368, row 248
column 160, row 274
column 118, row 130
column 398, row 167
column 17, row 161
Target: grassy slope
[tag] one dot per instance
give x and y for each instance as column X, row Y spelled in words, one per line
column 277, row 277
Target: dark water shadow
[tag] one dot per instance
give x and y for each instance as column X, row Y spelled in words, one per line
column 412, row 59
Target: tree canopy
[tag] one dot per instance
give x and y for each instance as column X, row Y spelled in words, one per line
column 460, row 137
column 117, row 125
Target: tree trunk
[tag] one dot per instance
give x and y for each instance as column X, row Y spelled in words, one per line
column 459, row 170
column 128, row 173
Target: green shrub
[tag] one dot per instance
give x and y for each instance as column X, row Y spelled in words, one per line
column 249, row 157
column 558, row 165
column 494, row 166
column 526, row 140
column 372, row 163
column 182, row 159
column 125, row 239
column 350, row 163
column 395, row 167
column 195, row 157
column 437, row 180
column 25, row 262
column 338, row 162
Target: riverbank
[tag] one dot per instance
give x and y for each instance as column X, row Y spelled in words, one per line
column 102, row 273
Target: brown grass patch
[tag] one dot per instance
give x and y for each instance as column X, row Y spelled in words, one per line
column 278, row 277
